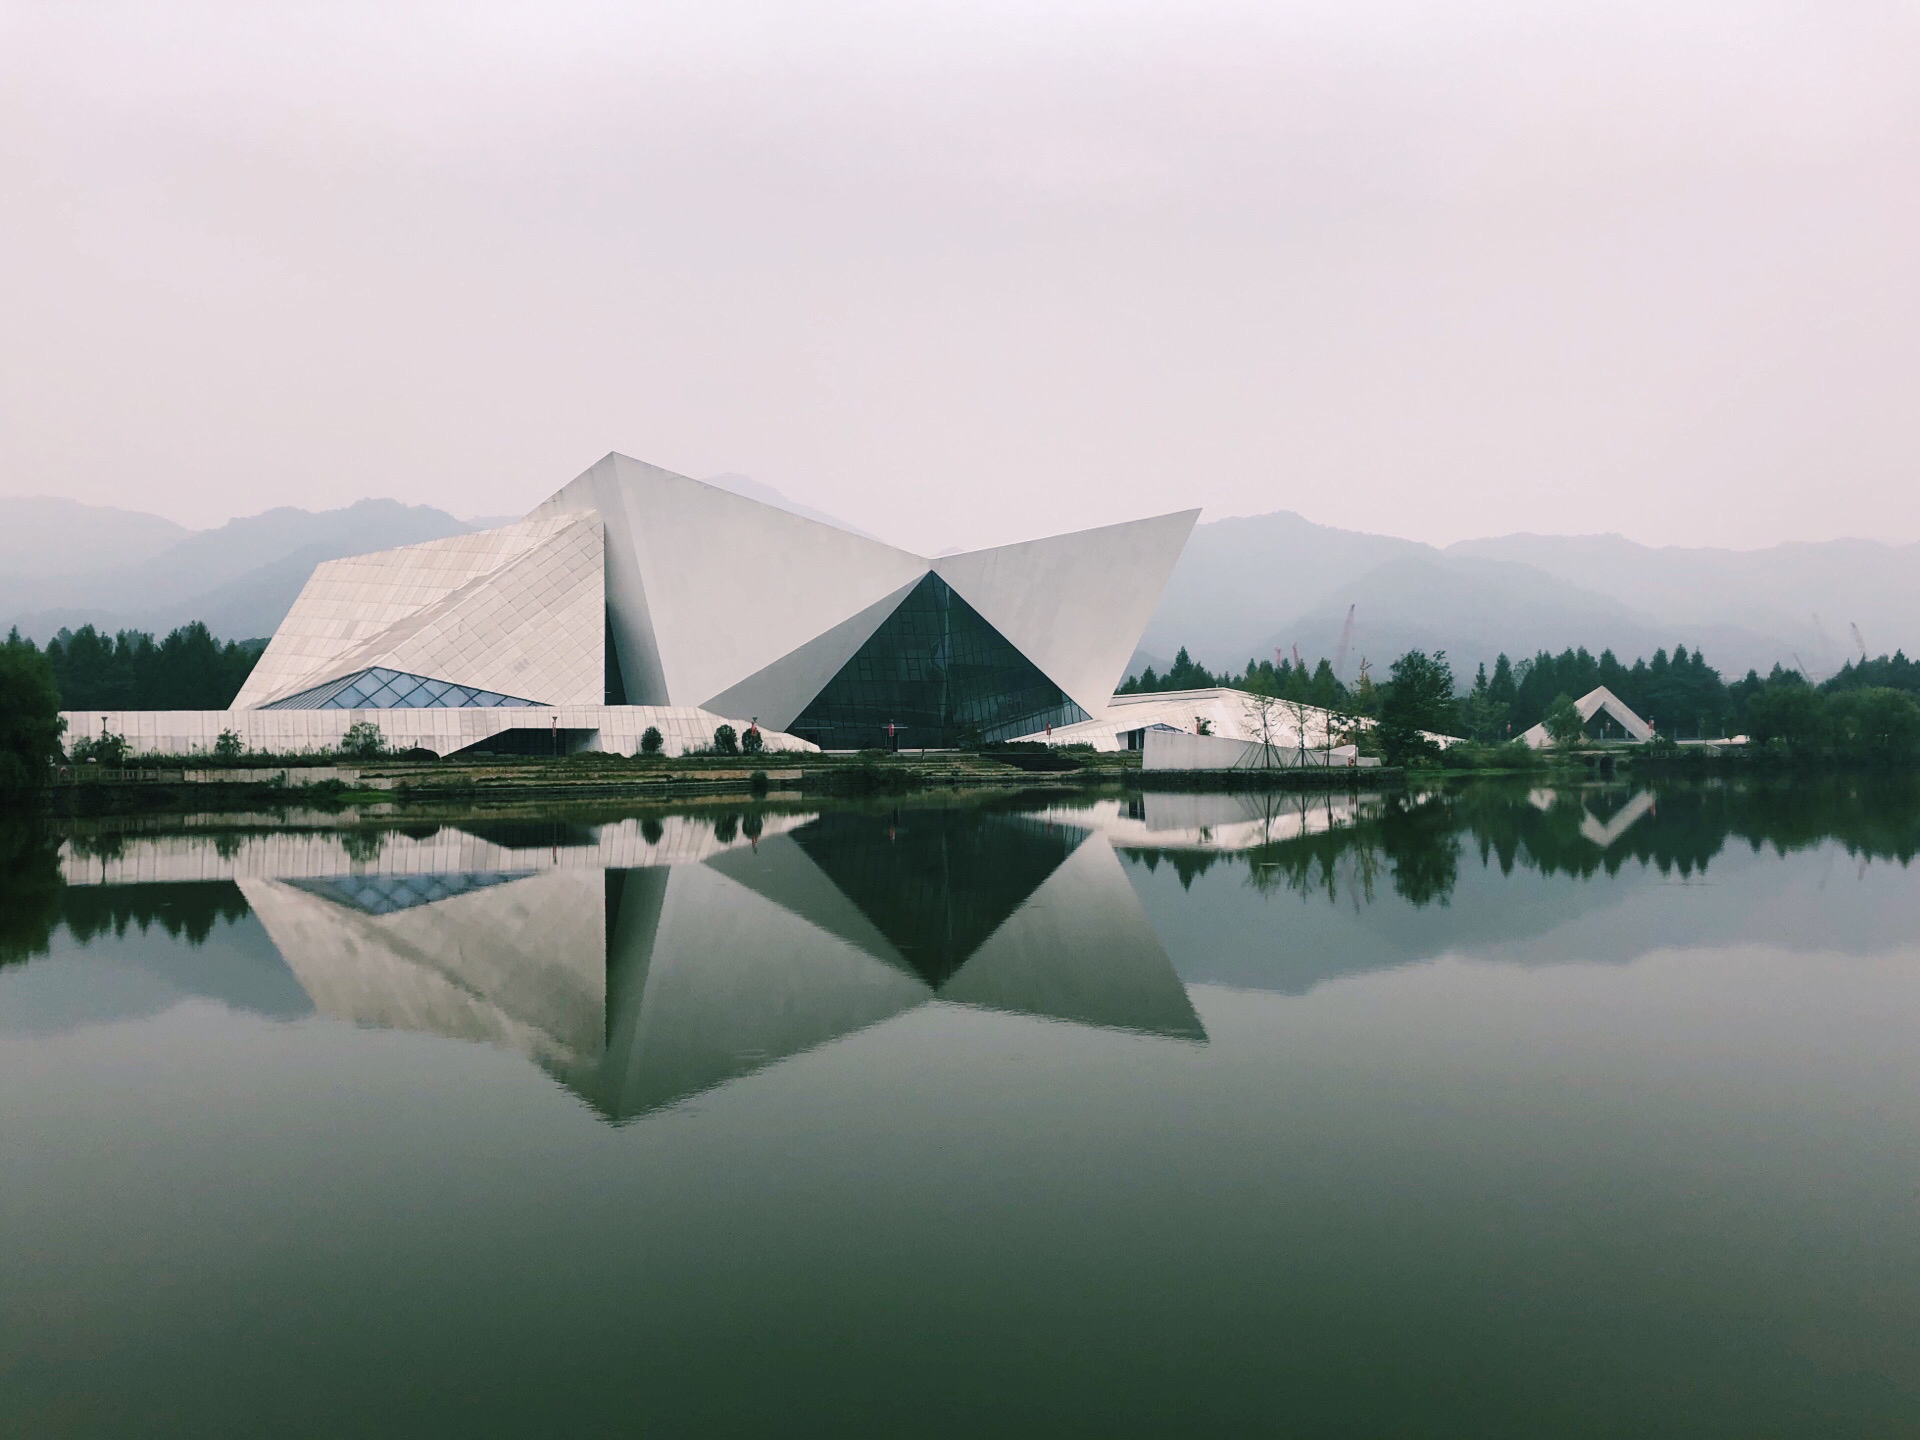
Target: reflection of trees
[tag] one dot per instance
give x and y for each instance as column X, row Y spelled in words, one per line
column 1874, row 817
column 1411, row 838
column 1330, row 863
column 189, row 909
column 29, row 887
column 34, row 898
column 1417, row 840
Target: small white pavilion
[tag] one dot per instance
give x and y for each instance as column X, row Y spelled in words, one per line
column 1596, row 701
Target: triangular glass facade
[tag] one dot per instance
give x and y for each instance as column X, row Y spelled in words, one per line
column 941, row 675
column 937, row 883
column 379, row 688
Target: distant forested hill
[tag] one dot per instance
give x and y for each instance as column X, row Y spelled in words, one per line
column 115, row 570
column 1248, row 586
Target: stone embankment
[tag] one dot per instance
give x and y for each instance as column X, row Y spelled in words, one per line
column 590, row 776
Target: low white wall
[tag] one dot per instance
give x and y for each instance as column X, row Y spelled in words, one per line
column 1172, row 750
column 614, row 728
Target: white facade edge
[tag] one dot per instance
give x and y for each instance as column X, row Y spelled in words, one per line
column 610, row 729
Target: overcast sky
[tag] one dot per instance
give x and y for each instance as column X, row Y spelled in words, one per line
column 966, row 273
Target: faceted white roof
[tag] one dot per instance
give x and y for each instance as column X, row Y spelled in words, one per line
column 723, row 602
column 707, row 598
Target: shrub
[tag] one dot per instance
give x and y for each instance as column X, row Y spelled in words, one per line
column 228, row 746
column 751, row 741
column 364, row 740
column 107, row 750
column 726, row 741
column 650, row 740
column 757, row 782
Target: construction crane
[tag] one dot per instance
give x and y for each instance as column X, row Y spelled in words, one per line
column 1340, row 650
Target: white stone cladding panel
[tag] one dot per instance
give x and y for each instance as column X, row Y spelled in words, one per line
column 533, row 629
column 1232, row 714
column 347, row 602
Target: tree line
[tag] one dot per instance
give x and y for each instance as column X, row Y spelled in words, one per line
column 84, row 670
column 1864, row 711
column 188, row 670
column 1313, row 685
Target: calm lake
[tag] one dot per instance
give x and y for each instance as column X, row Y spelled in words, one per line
column 1487, row 1111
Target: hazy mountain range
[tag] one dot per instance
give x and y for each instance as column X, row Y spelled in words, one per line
column 64, row 564
column 1245, row 587
column 1248, row 586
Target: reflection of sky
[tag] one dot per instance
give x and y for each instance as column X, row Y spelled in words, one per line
column 139, row 974
column 1222, row 930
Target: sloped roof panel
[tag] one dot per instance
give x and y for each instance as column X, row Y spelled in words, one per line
column 708, row 588
column 1075, row 604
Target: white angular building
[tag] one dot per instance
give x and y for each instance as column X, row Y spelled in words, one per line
column 636, row 597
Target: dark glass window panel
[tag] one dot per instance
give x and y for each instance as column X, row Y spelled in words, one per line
column 941, row 674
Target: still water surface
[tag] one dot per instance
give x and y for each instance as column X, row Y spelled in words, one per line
column 1488, row 1112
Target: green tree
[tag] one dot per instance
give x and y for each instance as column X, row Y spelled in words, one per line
column 1889, row 672
column 228, row 746
column 1501, row 687
column 1325, row 689
column 1791, row 716
column 1563, row 720
column 1482, row 714
column 1185, row 674
column 650, row 740
column 726, row 741
column 30, row 723
column 364, row 740
column 1418, row 698
column 1874, row 725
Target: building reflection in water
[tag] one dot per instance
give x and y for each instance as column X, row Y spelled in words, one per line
column 639, row 986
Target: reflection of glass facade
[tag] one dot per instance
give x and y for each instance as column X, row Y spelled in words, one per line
column 937, row 883
column 383, row 689
column 941, row 674
column 389, row 894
